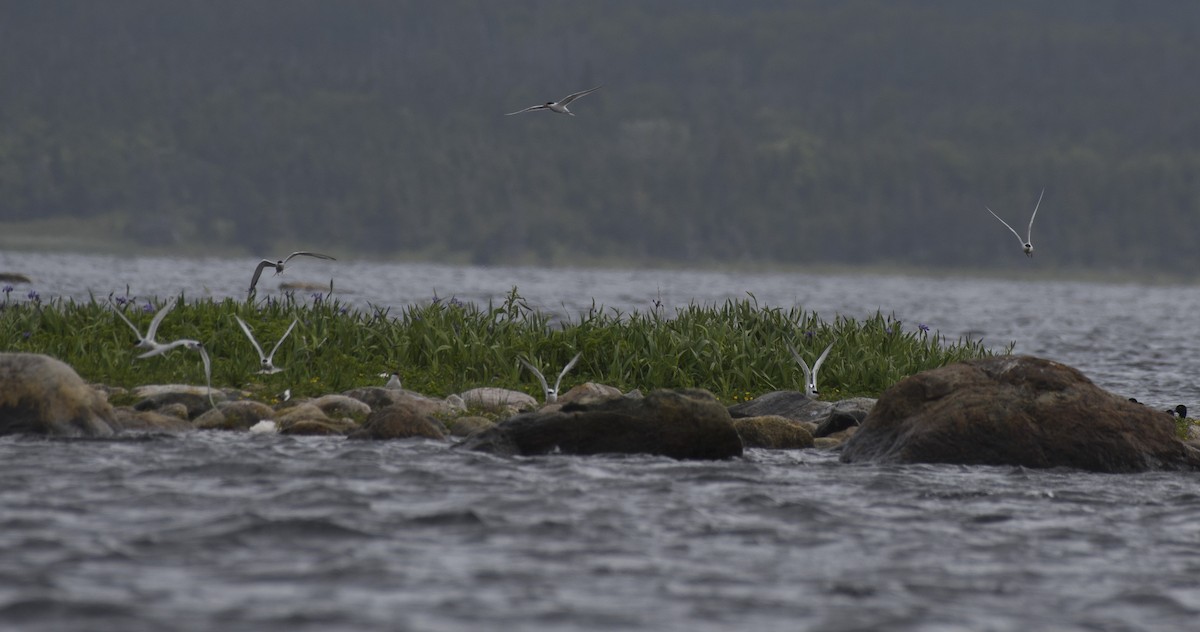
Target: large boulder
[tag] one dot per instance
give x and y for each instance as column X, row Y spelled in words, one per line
column 399, row 422
column 42, row 395
column 378, row 398
column 500, row 400
column 195, row 398
column 790, row 404
column 682, row 424
column 773, row 433
column 1016, row 410
column 239, row 415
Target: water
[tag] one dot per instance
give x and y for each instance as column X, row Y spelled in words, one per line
column 214, row 531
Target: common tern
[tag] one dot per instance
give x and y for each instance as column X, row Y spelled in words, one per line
column 194, row 345
column 280, row 263
column 559, row 106
column 267, row 361
column 551, row 393
column 393, row 383
column 810, row 375
column 147, row 341
column 1027, row 243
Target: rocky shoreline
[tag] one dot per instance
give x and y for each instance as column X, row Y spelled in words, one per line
column 1005, row 410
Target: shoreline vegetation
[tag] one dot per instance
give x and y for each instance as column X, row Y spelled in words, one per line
column 737, row 350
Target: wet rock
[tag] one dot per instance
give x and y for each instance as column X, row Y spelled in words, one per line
column 130, row 420
column 378, row 398
column 589, row 393
column 845, row 414
column 239, row 415
column 342, row 406
column 498, row 399
column 13, row 277
column 399, row 422
column 683, row 424
column 317, row 427
column 1016, row 410
column 464, row 426
column 42, row 395
column 790, row 404
column 773, row 433
column 194, row 398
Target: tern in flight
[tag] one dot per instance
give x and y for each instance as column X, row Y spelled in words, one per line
column 1027, row 243
column 557, row 106
column 810, row 375
column 551, row 393
column 278, row 265
column 147, row 341
column 267, row 361
column 194, row 345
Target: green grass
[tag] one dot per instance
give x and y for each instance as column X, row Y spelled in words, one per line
column 737, row 350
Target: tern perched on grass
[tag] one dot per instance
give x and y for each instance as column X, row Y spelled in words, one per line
column 551, row 393
column 1027, row 243
column 279, row 264
column 559, row 106
column 267, row 361
column 810, row 375
column 147, row 341
column 194, row 345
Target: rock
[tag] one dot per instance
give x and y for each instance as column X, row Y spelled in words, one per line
column 682, row 424
column 1016, row 410
column 845, row 414
column 378, row 398
column 130, row 420
column 239, row 415
column 13, row 277
column 318, row 427
column 174, row 409
column 498, row 399
column 399, row 422
column 195, row 398
column 773, row 433
column 464, row 426
column 588, row 393
column 42, row 395
column 300, row 412
column 342, row 406
column 791, row 404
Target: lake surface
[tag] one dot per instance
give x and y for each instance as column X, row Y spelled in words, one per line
column 220, row 531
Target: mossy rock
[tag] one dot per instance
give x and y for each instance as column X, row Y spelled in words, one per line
column 773, row 433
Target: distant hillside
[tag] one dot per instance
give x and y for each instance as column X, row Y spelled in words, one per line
column 849, row 132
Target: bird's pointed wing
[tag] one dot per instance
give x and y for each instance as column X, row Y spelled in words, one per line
column 1029, row 236
column 157, row 320
column 271, row 357
column 246, row 330
column 161, row 349
column 258, row 272
column 821, row 360
column 571, row 97
column 1018, row 235
column 127, row 322
column 537, row 373
column 803, row 365
column 207, row 372
column 305, row 253
column 528, row 109
column 569, row 366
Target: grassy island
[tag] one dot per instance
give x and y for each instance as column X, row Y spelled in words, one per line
column 737, row 350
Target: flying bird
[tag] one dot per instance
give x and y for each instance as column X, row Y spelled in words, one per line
column 557, row 106
column 147, row 341
column 280, row 263
column 1027, row 243
column 194, row 345
column 267, row 361
column 551, row 393
column 810, row 375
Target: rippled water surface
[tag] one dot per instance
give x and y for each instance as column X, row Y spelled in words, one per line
column 216, row 531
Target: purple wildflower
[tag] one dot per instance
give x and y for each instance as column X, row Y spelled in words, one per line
column 34, row 296
column 26, row 335
column 148, row 307
column 8, row 288
column 809, row 334
column 454, row 302
column 317, row 296
column 121, row 301
column 923, row 327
